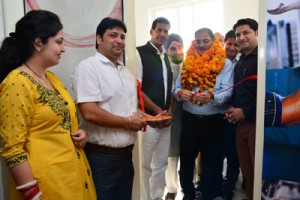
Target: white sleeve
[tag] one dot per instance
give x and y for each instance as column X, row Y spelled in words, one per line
column 85, row 82
column 139, row 67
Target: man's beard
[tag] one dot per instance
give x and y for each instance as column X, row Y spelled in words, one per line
column 176, row 61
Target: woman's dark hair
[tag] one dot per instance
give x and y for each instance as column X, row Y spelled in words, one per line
column 109, row 23
column 19, row 46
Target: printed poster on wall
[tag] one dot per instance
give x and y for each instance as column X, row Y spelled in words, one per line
column 281, row 163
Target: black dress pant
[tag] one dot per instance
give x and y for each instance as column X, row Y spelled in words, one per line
column 230, row 153
column 201, row 134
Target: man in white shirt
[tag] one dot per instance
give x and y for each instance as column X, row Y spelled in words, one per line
column 155, row 74
column 204, row 104
column 105, row 92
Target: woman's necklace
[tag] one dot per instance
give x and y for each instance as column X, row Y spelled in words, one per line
column 40, row 77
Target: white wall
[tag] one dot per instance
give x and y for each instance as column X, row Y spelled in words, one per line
column 12, row 12
column 233, row 10
column 236, row 9
column 1, row 21
column 1, row 38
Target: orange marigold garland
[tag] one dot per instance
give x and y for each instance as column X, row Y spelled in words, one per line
column 201, row 70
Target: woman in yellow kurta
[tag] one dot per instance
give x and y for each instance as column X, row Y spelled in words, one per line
column 38, row 122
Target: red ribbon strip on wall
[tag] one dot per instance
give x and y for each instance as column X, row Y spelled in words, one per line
column 141, row 99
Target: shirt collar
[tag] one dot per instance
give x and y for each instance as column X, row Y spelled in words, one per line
column 158, row 52
column 236, row 58
column 253, row 53
column 106, row 60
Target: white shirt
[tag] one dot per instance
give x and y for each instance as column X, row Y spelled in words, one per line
column 176, row 70
column 96, row 79
column 139, row 68
column 235, row 60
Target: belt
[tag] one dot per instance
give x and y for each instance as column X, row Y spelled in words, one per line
column 109, row 150
column 205, row 117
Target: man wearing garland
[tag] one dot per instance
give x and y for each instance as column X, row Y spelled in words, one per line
column 243, row 105
column 205, row 76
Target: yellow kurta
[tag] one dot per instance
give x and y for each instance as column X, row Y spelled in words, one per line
column 35, row 125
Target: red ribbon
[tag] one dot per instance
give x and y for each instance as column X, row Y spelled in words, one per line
column 238, row 83
column 141, row 99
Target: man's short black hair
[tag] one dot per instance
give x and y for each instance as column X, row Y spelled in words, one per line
column 247, row 21
column 109, row 23
column 160, row 20
column 229, row 34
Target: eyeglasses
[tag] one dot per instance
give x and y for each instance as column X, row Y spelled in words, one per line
column 205, row 41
